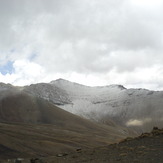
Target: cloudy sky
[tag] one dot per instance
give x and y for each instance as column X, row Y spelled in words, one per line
column 92, row 42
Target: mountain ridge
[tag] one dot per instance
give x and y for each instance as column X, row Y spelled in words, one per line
column 61, row 80
column 140, row 109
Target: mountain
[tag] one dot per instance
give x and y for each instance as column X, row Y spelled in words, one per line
column 31, row 126
column 24, row 108
column 49, row 92
column 139, row 109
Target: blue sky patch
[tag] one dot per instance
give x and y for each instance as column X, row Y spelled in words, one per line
column 33, row 56
column 7, row 68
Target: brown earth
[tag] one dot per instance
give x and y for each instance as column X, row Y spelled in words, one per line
column 42, row 140
column 147, row 148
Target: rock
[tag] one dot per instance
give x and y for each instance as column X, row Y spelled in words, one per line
column 78, row 149
column 155, row 128
column 19, row 160
column 35, row 160
column 62, row 154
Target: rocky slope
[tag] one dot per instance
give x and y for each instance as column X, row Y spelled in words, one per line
column 146, row 148
column 140, row 109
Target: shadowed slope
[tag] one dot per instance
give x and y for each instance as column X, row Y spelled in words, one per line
column 21, row 107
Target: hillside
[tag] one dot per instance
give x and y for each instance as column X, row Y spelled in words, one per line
column 31, row 126
column 146, row 148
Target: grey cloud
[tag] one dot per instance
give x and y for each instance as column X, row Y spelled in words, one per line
column 81, row 36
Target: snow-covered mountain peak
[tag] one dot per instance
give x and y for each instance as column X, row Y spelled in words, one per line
column 75, row 88
column 132, row 107
column 65, row 83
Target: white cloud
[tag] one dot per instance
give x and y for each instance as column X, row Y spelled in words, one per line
column 25, row 72
column 148, row 3
column 95, row 42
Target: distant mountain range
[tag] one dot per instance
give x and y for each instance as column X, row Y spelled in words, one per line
column 139, row 109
